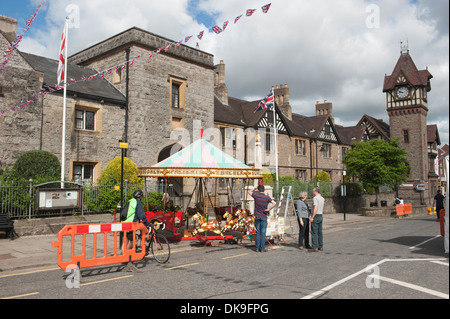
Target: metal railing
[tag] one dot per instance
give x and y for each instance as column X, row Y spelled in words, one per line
column 18, row 199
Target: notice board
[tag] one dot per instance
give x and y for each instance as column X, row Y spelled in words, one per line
column 49, row 199
column 275, row 226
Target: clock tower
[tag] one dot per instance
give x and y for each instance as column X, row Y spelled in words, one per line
column 406, row 92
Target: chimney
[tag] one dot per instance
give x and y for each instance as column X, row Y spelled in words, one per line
column 281, row 94
column 220, row 88
column 325, row 109
column 8, row 26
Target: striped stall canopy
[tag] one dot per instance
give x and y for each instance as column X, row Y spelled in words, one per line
column 200, row 159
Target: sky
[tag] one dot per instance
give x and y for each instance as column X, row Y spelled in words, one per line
column 334, row 50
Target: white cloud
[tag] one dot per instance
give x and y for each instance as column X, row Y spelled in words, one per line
column 322, row 49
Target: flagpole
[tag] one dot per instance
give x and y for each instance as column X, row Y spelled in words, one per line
column 276, row 140
column 63, row 143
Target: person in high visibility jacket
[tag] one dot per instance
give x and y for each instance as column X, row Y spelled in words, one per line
column 135, row 214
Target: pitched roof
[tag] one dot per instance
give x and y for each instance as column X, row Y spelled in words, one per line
column 375, row 126
column 351, row 134
column 242, row 113
column 405, row 65
column 433, row 134
column 97, row 89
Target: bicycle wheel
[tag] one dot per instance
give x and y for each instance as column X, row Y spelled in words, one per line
column 160, row 248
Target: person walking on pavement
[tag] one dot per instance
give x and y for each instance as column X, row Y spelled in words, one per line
column 261, row 212
column 316, row 221
column 439, row 202
column 303, row 219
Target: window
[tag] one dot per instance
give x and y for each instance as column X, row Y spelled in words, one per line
column 406, row 136
column 175, row 95
column 269, row 141
column 326, row 150
column 83, row 172
column 177, row 92
column 1, row 92
column 300, row 175
column 344, row 151
column 300, row 147
column 85, row 120
column 228, row 137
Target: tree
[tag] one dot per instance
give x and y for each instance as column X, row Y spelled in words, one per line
column 112, row 171
column 378, row 162
column 323, row 177
column 35, row 164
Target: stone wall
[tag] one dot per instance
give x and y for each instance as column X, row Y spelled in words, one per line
column 150, row 111
column 19, row 129
column 96, row 147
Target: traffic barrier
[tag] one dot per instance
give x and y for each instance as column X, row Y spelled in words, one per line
column 400, row 210
column 106, row 254
column 407, row 209
column 442, row 221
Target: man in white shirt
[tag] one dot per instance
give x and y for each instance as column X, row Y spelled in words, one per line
column 316, row 220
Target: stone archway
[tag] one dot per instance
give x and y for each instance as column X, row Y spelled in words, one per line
column 177, row 183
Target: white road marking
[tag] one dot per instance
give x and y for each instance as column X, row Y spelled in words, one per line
column 320, row 292
column 424, row 242
column 415, row 287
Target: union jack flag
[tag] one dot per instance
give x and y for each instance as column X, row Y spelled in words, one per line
column 266, row 8
column 200, row 35
column 217, row 29
column 167, row 47
column 225, row 25
column 250, row 12
column 187, row 38
column 265, row 103
column 237, row 18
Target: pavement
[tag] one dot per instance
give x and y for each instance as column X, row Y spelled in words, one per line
column 33, row 252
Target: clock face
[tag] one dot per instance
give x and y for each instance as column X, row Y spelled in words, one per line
column 403, row 92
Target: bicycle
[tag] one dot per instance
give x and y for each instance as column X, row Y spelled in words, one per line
column 156, row 243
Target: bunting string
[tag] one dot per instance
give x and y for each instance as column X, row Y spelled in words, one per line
column 215, row 29
column 7, row 55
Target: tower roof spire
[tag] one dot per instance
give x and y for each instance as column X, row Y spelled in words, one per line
column 404, row 47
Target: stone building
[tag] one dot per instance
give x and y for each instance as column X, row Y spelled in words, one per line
column 93, row 109
column 168, row 92
column 306, row 145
